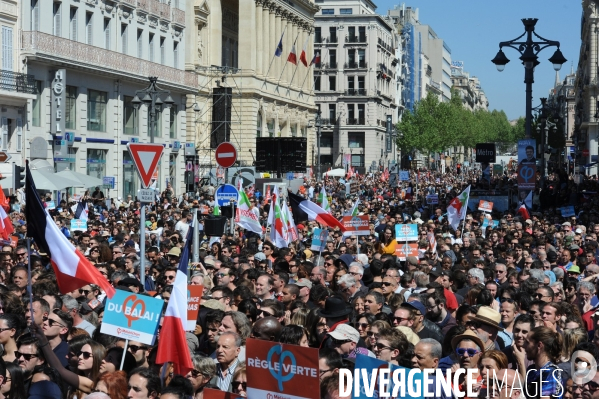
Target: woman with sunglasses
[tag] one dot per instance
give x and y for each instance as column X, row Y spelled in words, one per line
column 373, row 334
column 363, row 323
column 203, row 370
column 10, row 329
column 239, row 382
column 14, row 383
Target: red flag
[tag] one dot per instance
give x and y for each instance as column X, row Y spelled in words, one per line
column 316, row 58
column 6, row 225
column 303, row 55
column 292, row 56
column 4, row 201
column 522, row 211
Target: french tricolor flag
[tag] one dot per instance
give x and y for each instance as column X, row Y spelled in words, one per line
column 5, row 224
column 304, row 209
column 72, row 269
column 172, row 346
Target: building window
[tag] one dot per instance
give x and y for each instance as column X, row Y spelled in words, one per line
column 151, row 46
column 36, row 105
column 317, row 35
column 130, row 177
column 357, row 160
column 362, row 34
column 176, row 55
column 361, row 83
column 351, row 112
column 56, row 11
column 96, row 163
column 162, row 51
column 140, row 45
column 332, row 113
column 328, row 11
column 130, row 123
column 317, row 83
column 35, row 14
column 332, row 83
column 350, row 82
column 19, row 134
column 271, row 128
column 259, row 126
column 96, row 110
column 70, row 109
column 124, row 38
column 156, row 130
column 361, row 113
column 333, row 58
column 107, row 33
column 7, row 49
column 173, row 122
column 345, row 11
column 73, row 23
column 172, row 171
column 5, row 127
column 355, row 139
column 89, row 28
column 333, row 34
column 326, row 140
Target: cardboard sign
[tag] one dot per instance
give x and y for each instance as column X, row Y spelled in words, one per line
column 194, row 295
column 78, row 224
column 281, row 371
column 404, row 175
column 210, row 393
column 485, row 206
column 567, row 211
column 406, row 232
column 432, row 199
column 319, row 239
column 356, row 225
column 132, row 316
column 527, row 176
column 370, row 364
column 404, row 249
column 493, row 223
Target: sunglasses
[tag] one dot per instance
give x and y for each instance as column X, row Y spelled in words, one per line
column 386, row 284
column 196, row 373
column 358, row 325
column 265, row 313
column 399, row 319
column 236, row 384
column 170, row 277
column 85, row 355
column 379, row 347
column 52, row 323
column 135, row 348
column 26, row 356
column 469, row 351
column 84, row 292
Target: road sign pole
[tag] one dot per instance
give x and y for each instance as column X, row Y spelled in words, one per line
column 196, row 236
column 142, row 247
column 232, row 217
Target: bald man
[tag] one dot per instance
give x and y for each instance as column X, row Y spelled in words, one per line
column 267, row 329
column 511, row 385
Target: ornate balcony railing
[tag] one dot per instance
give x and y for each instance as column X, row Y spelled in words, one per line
column 178, row 17
column 19, row 82
column 98, row 58
column 132, row 3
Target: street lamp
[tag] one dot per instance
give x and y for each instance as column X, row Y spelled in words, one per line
column 318, row 125
column 529, row 50
column 151, row 97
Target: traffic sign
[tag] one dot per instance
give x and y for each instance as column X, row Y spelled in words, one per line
column 225, row 194
column 146, row 195
column 146, row 157
column 225, row 154
column 4, row 157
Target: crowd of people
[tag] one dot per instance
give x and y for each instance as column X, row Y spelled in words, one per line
column 520, row 297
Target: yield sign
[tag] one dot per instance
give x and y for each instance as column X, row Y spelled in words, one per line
column 225, row 154
column 146, row 157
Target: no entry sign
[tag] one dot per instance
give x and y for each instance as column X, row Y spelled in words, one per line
column 226, row 155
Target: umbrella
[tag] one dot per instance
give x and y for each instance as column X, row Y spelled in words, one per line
column 86, row 180
column 335, row 173
column 51, row 181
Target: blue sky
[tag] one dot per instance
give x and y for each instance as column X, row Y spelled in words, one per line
column 474, row 28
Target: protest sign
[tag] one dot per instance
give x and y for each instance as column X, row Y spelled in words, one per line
column 194, row 295
column 406, row 232
column 281, row 371
column 78, row 224
column 131, row 316
column 567, row 211
column 432, row 199
column 319, row 239
column 356, row 225
column 527, row 151
column 403, row 250
column 368, row 365
column 485, row 206
column 404, row 175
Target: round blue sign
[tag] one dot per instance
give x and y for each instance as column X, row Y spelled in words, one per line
column 225, row 194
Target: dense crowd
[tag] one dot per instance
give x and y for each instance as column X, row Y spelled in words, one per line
column 520, row 297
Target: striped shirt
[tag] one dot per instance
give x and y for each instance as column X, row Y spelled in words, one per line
column 224, row 378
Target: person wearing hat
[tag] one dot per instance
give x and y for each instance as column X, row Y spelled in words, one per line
column 344, row 339
column 173, row 256
column 305, row 286
column 486, row 324
column 467, row 347
column 132, row 283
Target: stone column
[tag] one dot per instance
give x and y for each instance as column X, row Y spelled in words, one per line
column 215, row 21
column 292, row 28
column 276, row 18
column 258, row 37
column 270, row 41
column 247, row 25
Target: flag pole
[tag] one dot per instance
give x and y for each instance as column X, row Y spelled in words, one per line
column 328, row 56
column 124, row 352
column 296, row 65
column 286, row 61
column 29, row 283
column 292, row 76
column 274, row 55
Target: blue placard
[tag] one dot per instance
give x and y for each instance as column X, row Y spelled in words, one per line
column 109, row 181
column 404, row 175
column 567, row 211
column 225, row 194
column 50, row 205
column 131, row 316
column 319, row 239
column 494, row 223
column 78, row 224
column 406, row 232
column 289, row 175
column 369, row 364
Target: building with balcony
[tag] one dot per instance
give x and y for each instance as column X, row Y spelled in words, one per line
column 355, row 84
column 245, row 90
column 562, row 100
column 468, row 88
column 100, row 52
column 586, row 109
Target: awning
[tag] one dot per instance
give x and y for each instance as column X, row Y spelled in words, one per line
column 86, row 180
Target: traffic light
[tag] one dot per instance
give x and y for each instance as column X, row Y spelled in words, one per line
column 18, row 176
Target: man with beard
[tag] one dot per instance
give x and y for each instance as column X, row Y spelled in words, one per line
column 436, row 312
column 544, row 378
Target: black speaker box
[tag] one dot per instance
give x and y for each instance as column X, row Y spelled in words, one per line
column 215, row 226
column 221, row 115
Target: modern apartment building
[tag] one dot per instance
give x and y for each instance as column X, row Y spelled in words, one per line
column 356, row 84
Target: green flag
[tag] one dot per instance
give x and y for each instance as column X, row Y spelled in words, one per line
column 216, row 209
